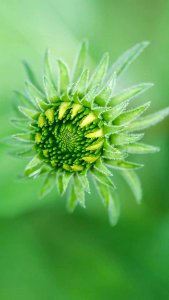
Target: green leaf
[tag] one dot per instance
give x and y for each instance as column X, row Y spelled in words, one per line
column 149, row 120
column 138, row 148
column 22, row 99
column 48, row 185
column 22, row 153
column 79, row 191
column 29, row 113
column 134, row 183
column 101, row 177
column 122, row 164
column 63, row 77
column 30, row 74
column 127, row 58
column 72, row 200
column 113, row 113
column 129, row 116
column 100, row 71
column 130, row 93
column 123, row 138
column 65, row 180
column 89, row 97
column 80, row 61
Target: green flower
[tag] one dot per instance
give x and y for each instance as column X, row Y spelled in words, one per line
column 78, row 127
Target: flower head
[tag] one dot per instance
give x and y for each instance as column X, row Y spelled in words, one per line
column 78, row 127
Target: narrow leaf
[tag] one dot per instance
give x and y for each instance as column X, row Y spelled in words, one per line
column 104, row 95
column 63, row 77
column 84, row 182
column 72, row 200
column 30, row 74
column 33, row 167
column 111, row 129
column 29, row 113
column 33, row 92
column 99, row 165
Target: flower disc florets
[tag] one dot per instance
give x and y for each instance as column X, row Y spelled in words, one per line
column 69, row 137
column 80, row 127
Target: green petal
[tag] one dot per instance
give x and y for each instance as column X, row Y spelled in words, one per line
column 29, row 113
column 122, row 164
column 115, row 154
column 79, row 191
column 33, row 92
column 72, row 200
column 80, row 61
column 138, row 148
column 130, row 93
column 129, row 116
column 63, row 77
column 47, row 68
column 123, row 138
column 33, row 167
column 22, row 153
column 81, row 85
column 99, row 165
column 101, row 177
column 104, row 95
column 127, row 58
column 30, row 74
column 134, row 183
column 21, row 124
column 23, row 137
column 113, row 113
column 111, row 202
column 49, row 183
column 150, row 120
column 111, row 129
column 100, row 71
column 84, row 182
column 50, row 91
column 22, row 99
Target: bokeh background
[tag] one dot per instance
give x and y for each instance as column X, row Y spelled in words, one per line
column 45, row 253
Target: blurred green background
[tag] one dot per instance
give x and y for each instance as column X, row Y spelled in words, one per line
column 45, row 253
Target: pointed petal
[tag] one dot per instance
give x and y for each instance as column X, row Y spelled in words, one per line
column 100, row 166
column 72, row 200
column 21, row 124
column 130, row 93
column 80, row 61
column 29, row 113
column 115, row 154
column 33, row 167
column 127, row 58
column 48, row 185
column 123, row 138
column 104, row 95
column 81, row 85
column 30, row 74
column 111, row 129
column 138, row 148
column 50, row 90
column 85, row 182
column 129, row 116
column 114, row 112
column 134, row 183
column 122, row 164
column 23, row 137
column 100, row 71
column 63, row 77
column 79, row 191
column 150, row 120
column 33, row 92
column 101, row 177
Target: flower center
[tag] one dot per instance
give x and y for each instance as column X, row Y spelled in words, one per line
column 69, row 137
